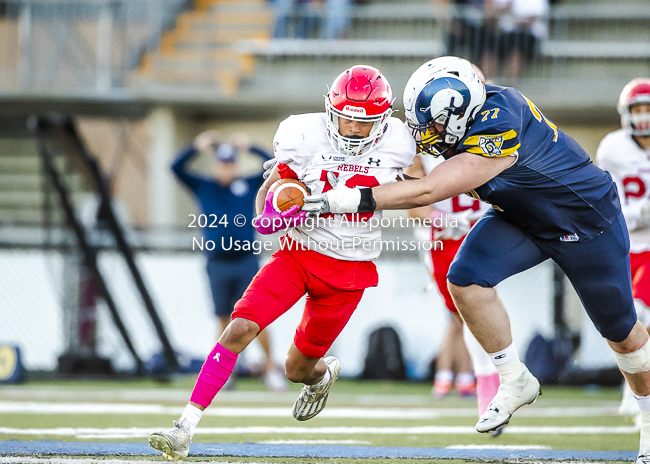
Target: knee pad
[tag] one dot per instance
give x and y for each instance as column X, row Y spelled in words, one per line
column 636, row 361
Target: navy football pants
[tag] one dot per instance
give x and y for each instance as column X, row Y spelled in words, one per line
column 599, row 270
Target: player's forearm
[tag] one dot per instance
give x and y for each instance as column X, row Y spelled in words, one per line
column 259, row 199
column 264, row 190
column 460, row 174
column 403, row 195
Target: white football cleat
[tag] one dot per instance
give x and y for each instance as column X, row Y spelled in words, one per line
column 510, row 397
column 174, row 443
column 498, row 431
column 643, row 459
column 312, row 399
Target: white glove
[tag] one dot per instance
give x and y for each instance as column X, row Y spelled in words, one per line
column 340, row 199
column 268, row 167
column 452, row 226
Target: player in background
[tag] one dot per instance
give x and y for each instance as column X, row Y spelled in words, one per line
column 549, row 201
column 453, row 354
column 224, row 196
column 357, row 143
column 625, row 153
column 459, row 344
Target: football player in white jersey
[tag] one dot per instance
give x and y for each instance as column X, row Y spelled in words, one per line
column 466, row 210
column 355, row 143
column 625, row 153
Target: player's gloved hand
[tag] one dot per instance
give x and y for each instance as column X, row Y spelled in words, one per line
column 340, row 199
column 270, row 221
column 451, row 226
column 268, row 167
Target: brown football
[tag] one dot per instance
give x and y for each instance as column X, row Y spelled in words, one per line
column 288, row 192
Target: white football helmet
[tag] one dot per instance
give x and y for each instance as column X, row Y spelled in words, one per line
column 637, row 91
column 361, row 93
column 446, row 91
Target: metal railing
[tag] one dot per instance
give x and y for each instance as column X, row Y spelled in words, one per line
column 80, row 46
column 91, row 47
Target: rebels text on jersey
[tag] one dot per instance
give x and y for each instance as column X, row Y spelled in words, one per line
column 553, row 190
column 302, row 145
column 629, row 166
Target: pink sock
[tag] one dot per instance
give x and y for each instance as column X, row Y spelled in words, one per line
column 215, row 372
column 486, row 388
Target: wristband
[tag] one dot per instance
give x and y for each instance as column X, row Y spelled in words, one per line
column 367, row 203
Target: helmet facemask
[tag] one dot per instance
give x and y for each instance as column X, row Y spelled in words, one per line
column 352, row 145
column 640, row 122
column 428, row 139
column 634, row 94
column 362, row 94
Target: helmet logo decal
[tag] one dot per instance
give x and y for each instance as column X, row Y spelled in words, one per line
column 354, row 109
column 452, row 90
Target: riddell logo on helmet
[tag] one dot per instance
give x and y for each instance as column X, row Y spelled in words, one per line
column 354, row 109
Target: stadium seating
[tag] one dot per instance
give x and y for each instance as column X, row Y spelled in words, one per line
column 199, row 50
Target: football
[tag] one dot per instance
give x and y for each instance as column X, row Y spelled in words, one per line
column 288, row 192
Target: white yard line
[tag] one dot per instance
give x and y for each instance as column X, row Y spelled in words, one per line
column 97, row 460
column 139, row 432
column 61, row 393
column 78, row 408
column 181, row 395
column 499, row 447
column 313, row 442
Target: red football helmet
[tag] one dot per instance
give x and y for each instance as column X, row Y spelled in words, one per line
column 361, row 93
column 637, row 91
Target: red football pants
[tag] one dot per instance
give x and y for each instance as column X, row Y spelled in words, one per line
column 640, row 264
column 441, row 259
column 280, row 284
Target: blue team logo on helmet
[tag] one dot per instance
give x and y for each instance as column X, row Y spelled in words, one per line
column 459, row 98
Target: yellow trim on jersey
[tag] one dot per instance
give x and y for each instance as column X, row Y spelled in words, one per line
column 473, row 140
column 504, row 152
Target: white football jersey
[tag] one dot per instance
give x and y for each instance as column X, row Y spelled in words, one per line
column 629, row 166
column 301, row 143
column 458, row 203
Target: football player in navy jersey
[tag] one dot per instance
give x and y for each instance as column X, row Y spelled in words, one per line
column 549, row 201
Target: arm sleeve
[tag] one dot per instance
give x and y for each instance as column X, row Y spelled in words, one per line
column 179, row 167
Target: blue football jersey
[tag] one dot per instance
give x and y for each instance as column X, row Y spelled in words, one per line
column 553, row 190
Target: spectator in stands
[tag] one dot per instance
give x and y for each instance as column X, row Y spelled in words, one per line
column 336, row 22
column 471, row 31
column 522, row 25
column 221, row 199
column 300, row 18
column 295, row 18
column 625, row 153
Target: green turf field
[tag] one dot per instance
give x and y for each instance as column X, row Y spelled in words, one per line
column 358, row 413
